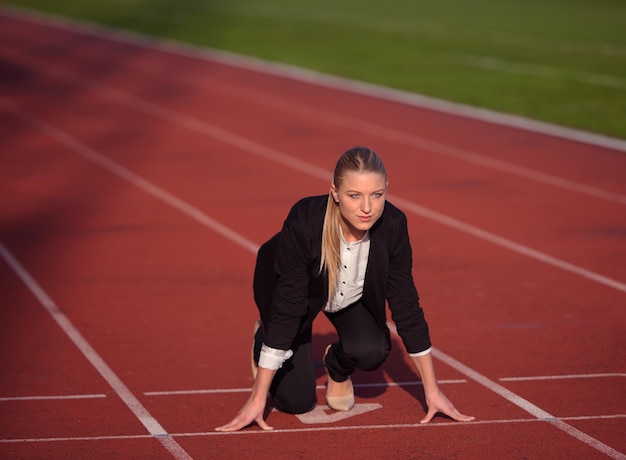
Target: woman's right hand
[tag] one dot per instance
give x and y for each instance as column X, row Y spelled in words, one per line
column 252, row 411
column 254, row 408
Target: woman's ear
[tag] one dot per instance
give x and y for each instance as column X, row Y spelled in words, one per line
column 333, row 190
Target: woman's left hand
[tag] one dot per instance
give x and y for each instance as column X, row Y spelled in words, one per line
column 438, row 402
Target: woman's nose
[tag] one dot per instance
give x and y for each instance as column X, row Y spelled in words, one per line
column 366, row 206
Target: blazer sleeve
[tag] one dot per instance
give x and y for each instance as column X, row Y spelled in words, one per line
column 402, row 294
column 290, row 300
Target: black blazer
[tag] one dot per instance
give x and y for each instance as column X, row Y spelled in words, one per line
column 290, row 290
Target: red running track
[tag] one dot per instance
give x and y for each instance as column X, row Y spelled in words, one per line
column 138, row 182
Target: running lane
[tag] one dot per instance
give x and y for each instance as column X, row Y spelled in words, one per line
column 518, row 242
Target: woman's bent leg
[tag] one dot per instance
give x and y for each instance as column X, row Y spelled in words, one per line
column 362, row 343
column 293, row 388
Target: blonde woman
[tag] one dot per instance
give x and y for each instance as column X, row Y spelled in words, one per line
column 344, row 254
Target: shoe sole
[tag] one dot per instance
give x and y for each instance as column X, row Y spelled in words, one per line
column 339, row 403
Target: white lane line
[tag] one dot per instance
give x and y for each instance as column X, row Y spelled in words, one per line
column 398, row 384
column 135, row 406
column 318, row 387
column 47, row 398
column 562, row 377
column 310, row 76
column 431, row 426
column 255, row 148
column 615, row 454
column 527, row 406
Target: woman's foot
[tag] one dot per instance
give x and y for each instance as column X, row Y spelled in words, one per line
column 339, row 395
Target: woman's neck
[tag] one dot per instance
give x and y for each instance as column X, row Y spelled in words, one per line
column 351, row 235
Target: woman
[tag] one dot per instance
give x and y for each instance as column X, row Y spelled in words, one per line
column 344, row 254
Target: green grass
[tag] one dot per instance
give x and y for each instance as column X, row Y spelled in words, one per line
column 560, row 61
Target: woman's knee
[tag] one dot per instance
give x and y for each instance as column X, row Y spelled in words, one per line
column 295, row 403
column 369, row 356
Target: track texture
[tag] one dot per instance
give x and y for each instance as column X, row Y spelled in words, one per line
column 136, row 185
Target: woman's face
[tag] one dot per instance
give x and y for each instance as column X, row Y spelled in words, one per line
column 361, row 198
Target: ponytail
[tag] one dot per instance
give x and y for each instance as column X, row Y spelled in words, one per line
column 330, row 244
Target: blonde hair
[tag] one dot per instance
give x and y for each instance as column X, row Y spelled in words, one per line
column 357, row 159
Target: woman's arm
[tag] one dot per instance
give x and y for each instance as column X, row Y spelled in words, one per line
column 254, row 408
column 435, row 399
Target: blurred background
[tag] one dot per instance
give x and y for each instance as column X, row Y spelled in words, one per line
column 559, row 61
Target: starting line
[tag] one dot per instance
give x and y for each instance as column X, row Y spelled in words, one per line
column 313, row 429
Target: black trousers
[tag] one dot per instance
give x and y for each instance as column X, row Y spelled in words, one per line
column 362, row 345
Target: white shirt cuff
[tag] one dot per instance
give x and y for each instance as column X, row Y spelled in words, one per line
column 421, row 353
column 272, row 358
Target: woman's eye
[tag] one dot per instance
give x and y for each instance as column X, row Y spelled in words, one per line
column 354, row 195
